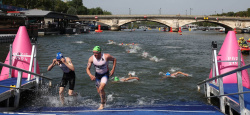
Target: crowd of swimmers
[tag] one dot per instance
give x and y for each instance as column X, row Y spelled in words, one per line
column 100, row 61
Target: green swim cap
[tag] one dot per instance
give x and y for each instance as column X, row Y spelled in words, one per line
column 116, row 78
column 97, row 48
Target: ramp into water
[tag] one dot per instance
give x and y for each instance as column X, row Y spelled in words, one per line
column 199, row 109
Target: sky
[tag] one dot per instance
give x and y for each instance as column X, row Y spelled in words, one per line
column 168, row 7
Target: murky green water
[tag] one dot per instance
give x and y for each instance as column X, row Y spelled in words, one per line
column 166, row 52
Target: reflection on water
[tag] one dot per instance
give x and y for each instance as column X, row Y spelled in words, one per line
column 149, row 54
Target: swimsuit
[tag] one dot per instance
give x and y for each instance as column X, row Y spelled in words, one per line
column 68, row 76
column 102, row 73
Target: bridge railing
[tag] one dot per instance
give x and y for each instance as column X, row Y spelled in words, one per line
column 219, row 79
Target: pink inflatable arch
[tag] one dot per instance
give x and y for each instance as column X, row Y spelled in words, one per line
column 229, row 52
column 21, row 46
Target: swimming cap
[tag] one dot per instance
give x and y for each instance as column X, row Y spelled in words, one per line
column 116, row 78
column 59, row 55
column 97, row 48
column 167, row 74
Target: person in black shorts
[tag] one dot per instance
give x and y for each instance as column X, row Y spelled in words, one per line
column 68, row 74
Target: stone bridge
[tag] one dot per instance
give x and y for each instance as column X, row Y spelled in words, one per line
column 173, row 21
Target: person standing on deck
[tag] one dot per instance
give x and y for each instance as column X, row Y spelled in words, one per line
column 68, row 74
column 100, row 61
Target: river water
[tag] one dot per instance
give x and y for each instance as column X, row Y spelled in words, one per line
column 153, row 54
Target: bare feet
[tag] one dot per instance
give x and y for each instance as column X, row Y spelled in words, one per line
column 101, row 107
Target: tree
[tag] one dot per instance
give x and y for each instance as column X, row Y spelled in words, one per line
column 99, row 11
column 91, row 11
column 82, row 10
column 248, row 12
column 72, row 11
column 106, row 13
column 61, row 6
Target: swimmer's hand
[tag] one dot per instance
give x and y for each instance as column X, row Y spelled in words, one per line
column 92, row 78
column 54, row 62
column 63, row 60
column 111, row 72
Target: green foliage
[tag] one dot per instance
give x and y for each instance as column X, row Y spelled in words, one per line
column 75, row 7
column 237, row 14
column 60, row 6
column 82, row 10
column 72, row 11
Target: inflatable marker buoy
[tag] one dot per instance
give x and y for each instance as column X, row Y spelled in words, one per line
column 229, row 52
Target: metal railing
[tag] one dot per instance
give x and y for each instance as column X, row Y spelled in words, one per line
column 19, row 81
column 219, row 79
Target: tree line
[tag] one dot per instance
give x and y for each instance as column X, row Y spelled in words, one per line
column 73, row 7
column 236, row 14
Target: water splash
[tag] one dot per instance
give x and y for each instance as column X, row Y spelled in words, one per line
column 133, row 48
column 110, row 98
column 145, row 54
column 111, row 42
column 161, row 73
column 156, row 59
column 78, row 42
column 132, row 73
column 174, row 69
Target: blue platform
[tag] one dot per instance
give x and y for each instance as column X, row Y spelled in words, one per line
column 11, row 81
column 233, row 88
column 200, row 109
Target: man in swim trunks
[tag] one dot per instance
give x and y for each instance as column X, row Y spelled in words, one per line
column 100, row 61
column 68, row 74
column 175, row 74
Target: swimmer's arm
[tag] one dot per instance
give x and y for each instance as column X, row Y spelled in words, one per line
column 68, row 63
column 111, row 58
column 134, row 78
column 52, row 65
column 90, row 61
column 182, row 73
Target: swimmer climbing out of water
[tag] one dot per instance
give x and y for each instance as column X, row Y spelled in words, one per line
column 175, row 74
column 100, row 61
column 68, row 74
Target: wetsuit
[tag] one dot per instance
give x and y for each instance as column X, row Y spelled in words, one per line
column 102, row 71
column 68, row 76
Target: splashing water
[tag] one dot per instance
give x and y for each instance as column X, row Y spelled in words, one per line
column 78, row 42
column 132, row 73
column 161, row 73
column 111, row 42
column 174, row 69
column 110, row 97
column 145, row 54
column 154, row 58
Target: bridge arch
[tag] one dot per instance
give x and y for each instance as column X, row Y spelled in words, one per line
column 143, row 20
column 220, row 23
column 123, row 22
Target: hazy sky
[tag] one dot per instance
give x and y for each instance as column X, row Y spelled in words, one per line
column 200, row 7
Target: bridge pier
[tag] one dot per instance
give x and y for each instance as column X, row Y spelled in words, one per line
column 174, row 29
column 238, row 30
column 115, row 28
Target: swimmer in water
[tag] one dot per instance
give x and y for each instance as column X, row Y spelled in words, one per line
column 125, row 79
column 175, row 74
